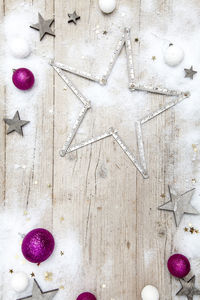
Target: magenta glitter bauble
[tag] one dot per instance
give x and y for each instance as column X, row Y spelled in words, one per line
column 23, row 79
column 86, row 296
column 178, row 265
column 38, row 245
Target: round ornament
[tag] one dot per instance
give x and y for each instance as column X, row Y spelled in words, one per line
column 19, row 281
column 19, row 48
column 38, row 245
column 107, row 6
column 23, row 78
column 86, row 296
column 173, row 55
column 178, row 265
column 150, row 292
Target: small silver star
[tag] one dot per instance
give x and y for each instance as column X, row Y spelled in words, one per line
column 190, row 72
column 43, row 26
column 15, row 124
column 188, row 289
column 38, row 294
column 179, row 205
column 73, row 17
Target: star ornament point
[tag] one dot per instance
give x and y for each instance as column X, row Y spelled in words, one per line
column 188, row 289
column 43, row 26
column 38, row 294
column 179, row 205
column 138, row 161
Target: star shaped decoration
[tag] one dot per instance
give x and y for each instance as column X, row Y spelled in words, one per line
column 188, row 289
column 38, row 294
column 179, row 205
column 190, row 72
column 43, row 26
column 15, row 124
column 73, row 18
column 125, row 40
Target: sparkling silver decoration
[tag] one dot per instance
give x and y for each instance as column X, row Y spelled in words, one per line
column 38, row 294
column 129, row 56
column 140, row 162
column 188, row 289
column 179, row 205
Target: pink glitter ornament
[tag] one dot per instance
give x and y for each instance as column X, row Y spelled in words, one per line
column 86, row 296
column 178, row 265
column 38, row 245
column 23, row 79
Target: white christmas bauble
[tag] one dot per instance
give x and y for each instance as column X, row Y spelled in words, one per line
column 173, row 55
column 150, row 292
column 19, row 48
column 107, row 6
column 19, row 281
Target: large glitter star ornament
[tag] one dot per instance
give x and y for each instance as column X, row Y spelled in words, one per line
column 140, row 161
column 38, row 294
column 15, row 124
column 43, row 26
column 73, row 18
column 188, row 289
column 190, row 72
column 179, row 205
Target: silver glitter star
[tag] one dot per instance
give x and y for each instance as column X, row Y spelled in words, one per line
column 188, row 289
column 38, row 294
column 73, row 17
column 190, row 72
column 43, row 26
column 179, row 205
column 15, row 124
column 140, row 162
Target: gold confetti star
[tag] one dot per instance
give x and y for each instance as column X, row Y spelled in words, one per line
column 32, row 274
column 11, row 271
column 62, row 219
column 185, row 229
column 153, row 57
column 48, row 276
column 61, row 287
column 193, row 180
column 25, row 213
column 162, row 195
column 194, row 147
column 61, row 253
column 49, row 185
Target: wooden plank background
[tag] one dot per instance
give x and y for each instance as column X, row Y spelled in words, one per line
column 97, row 188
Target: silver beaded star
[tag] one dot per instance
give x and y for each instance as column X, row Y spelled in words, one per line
column 180, row 205
column 140, row 162
column 15, row 124
column 73, row 18
column 43, row 26
column 188, row 289
column 38, row 294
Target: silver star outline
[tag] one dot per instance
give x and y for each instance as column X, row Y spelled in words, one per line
column 179, row 205
column 125, row 40
column 188, row 289
column 38, row 294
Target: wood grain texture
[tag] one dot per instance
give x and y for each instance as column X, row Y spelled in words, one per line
column 96, row 189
